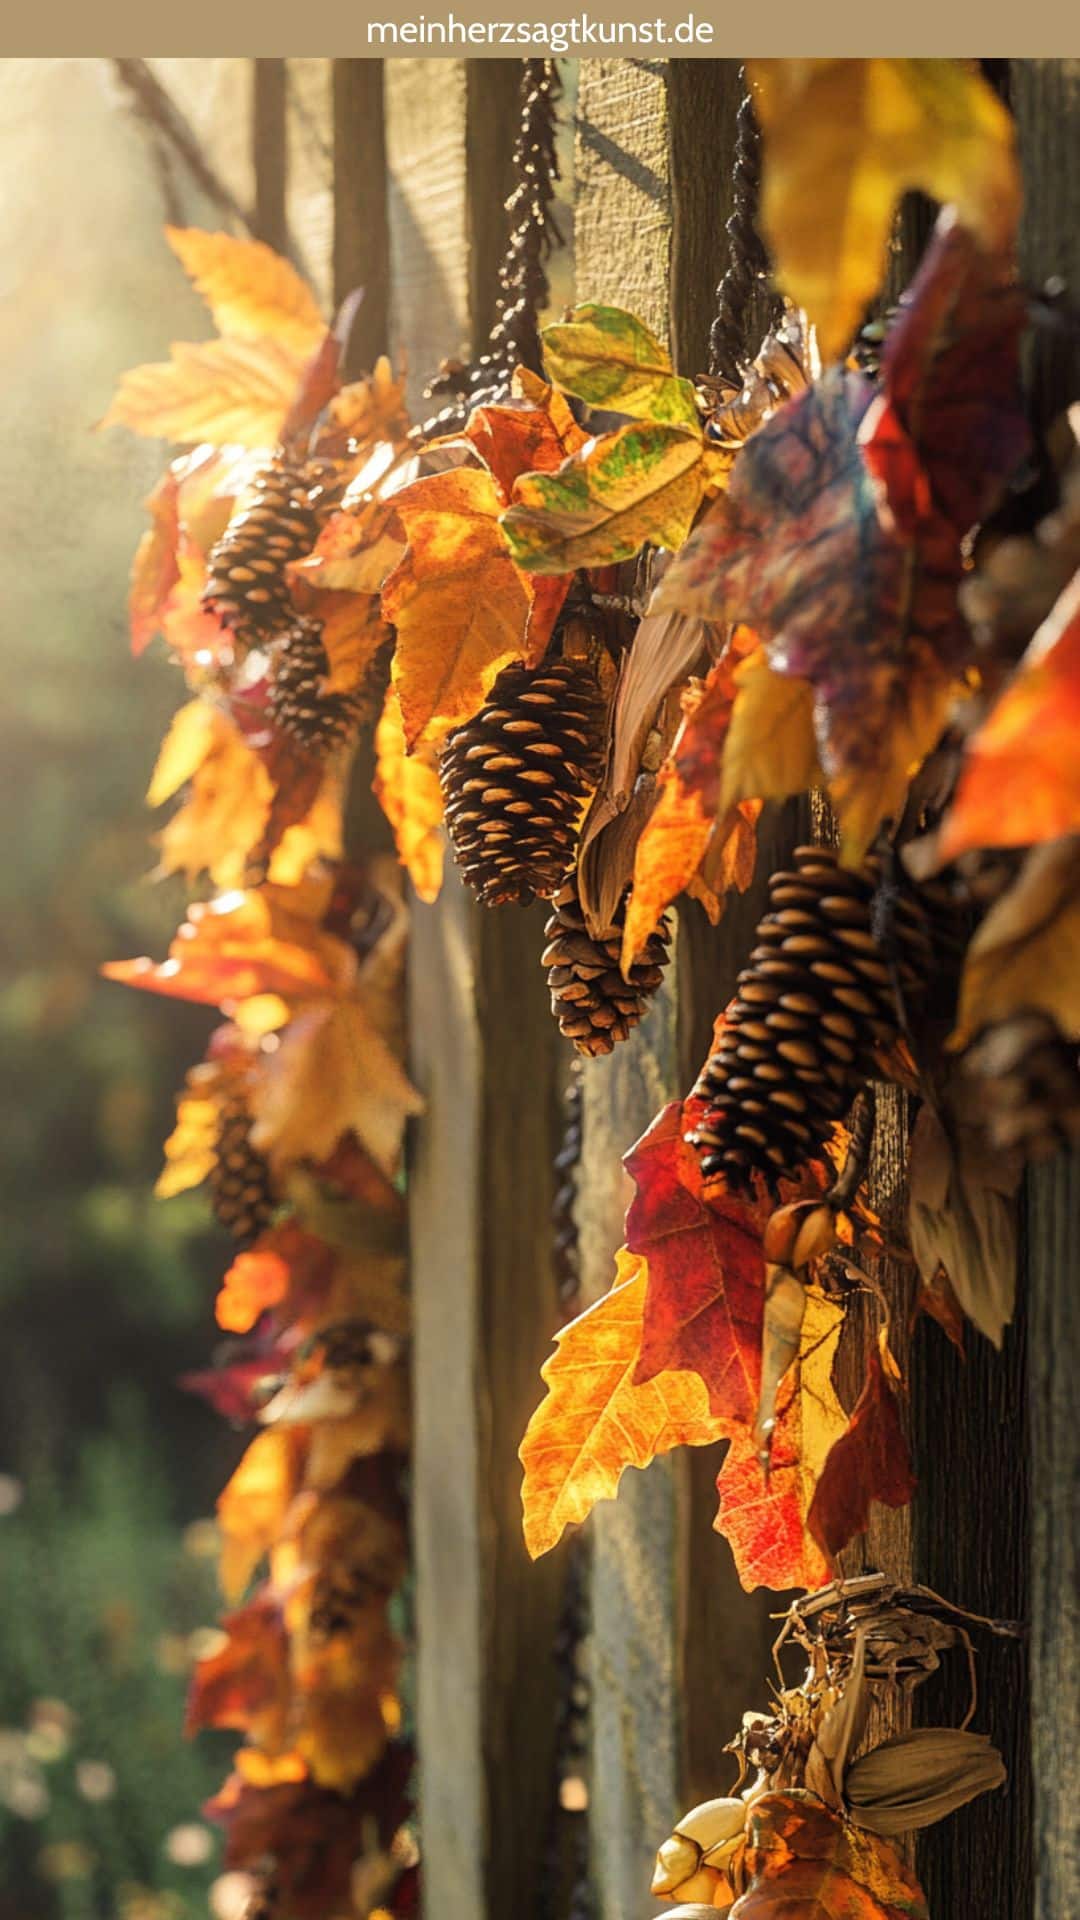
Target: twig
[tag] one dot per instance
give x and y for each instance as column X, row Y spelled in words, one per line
column 152, row 103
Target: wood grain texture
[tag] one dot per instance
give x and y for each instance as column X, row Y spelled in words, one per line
column 703, row 100
column 269, row 152
column 361, row 235
column 622, row 240
column 429, row 197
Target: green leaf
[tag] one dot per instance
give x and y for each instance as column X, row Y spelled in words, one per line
column 642, row 483
column 609, row 359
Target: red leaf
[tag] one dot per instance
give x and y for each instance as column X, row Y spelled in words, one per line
column 247, row 1681
column 233, row 1389
column 703, row 1308
column 869, row 1462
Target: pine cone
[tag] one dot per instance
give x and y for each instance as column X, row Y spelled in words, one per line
column 515, row 776
column 316, row 720
column 1029, row 1084
column 815, row 1002
column 246, row 584
column 593, row 1004
column 242, row 1191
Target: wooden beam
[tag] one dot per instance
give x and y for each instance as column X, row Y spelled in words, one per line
column 361, row 238
column 269, row 151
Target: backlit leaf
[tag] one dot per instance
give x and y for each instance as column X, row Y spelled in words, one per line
column 763, row 1513
column 155, row 570
column 612, row 360
column 868, row 1462
column 644, row 482
column 251, row 291
column 844, row 139
column 805, row 1863
column 242, row 944
column 408, row 791
column 225, row 392
column 770, row 750
column 332, row 1073
column 1020, row 782
column 596, row 1420
column 252, row 1507
column 225, row 814
column 456, row 598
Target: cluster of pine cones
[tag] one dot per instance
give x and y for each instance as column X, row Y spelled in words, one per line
column 247, row 587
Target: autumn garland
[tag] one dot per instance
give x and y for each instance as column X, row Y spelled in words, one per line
column 819, row 628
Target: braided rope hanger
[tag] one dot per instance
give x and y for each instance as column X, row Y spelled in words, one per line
column 744, row 288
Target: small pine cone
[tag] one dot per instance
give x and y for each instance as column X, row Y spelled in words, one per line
column 815, row 1001
column 246, row 583
column 593, row 1004
column 515, row 776
column 317, row 721
column 242, row 1191
column 1028, row 1078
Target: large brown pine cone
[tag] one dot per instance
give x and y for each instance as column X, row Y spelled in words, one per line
column 592, row 1002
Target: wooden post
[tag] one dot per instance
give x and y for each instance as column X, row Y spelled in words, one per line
column 361, row 244
column 487, row 1057
column 270, row 152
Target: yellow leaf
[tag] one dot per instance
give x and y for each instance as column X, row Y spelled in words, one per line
column 770, row 750
column 191, row 1149
column 356, row 549
column 332, row 1073
column 250, row 290
column 611, row 359
column 1025, row 955
column 220, row 391
column 456, row 598
column 319, row 836
column 643, row 482
column 225, row 815
column 408, row 791
column 252, row 1507
column 594, row 1422
column 843, row 140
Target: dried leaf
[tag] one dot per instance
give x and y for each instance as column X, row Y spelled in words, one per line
column 962, row 1216
column 770, row 750
column 1025, row 954
column 226, row 813
column 245, row 1684
column 612, row 360
column 1020, row 782
column 918, row 1777
column 843, row 140
column 355, row 550
column 869, row 1461
column 252, row 1507
column 686, row 826
column 458, row 602
column 805, row 1863
column 528, row 438
column 251, row 291
column 408, row 791
column 225, row 392
column 596, row 1419
column 191, row 1149
column 645, row 482
column 331, row 1074
column 242, row 944
column 763, row 1513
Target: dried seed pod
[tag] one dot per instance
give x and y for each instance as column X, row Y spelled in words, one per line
column 920, row 1776
column 594, row 1004
column 515, row 776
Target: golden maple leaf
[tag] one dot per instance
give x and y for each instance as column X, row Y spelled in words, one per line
column 251, row 291
column 594, row 1422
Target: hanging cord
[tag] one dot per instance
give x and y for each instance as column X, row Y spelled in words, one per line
column 514, row 339
column 745, row 281
column 564, row 1889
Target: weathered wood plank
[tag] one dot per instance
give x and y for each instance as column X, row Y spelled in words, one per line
column 425, row 149
column 361, row 239
column 269, row 151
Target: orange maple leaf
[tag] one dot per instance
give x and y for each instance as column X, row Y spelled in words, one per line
column 456, row 598
column 806, row 1863
column 1020, row 782
column 253, row 1506
column 596, row 1420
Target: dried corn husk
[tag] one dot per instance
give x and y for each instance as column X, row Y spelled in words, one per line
column 919, row 1777
column 840, row 1729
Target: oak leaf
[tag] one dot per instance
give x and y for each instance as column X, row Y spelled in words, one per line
column 612, row 360
column 1020, row 782
column 644, row 482
column 408, row 791
column 868, row 1462
column 456, row 598
column 225, row 392
column 806, row 1863
column 764, row 1510
column 844, row 139
column 596, row 1419
column 251, row 291
column 705, row 1296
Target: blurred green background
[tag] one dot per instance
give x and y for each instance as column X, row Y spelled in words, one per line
column 107, row 1469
